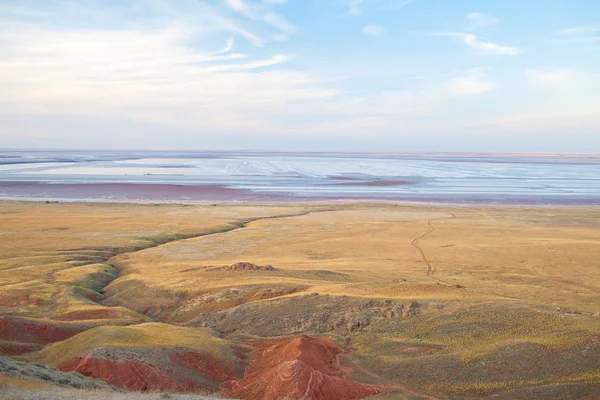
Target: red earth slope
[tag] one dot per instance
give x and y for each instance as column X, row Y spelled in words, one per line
column 149, row 357
column 186, row 373
column 302, row 367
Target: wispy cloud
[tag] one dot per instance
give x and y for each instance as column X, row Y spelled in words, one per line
column 229, row 73
column 373, row 30
column 581, row 34
column 159, row 77
column 261, row 12
column 278, row 59
column 235, row 28
column 486, row 47
column 474, row 83
column 228, row 46
column 168, row 74
column 481, row 19
column 483, row 47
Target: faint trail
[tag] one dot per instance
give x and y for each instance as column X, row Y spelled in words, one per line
column 431, row 267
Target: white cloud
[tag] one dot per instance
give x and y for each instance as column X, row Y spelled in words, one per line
column 277, row 2
column 483, row 47
column 187, row 74
column 144, row 75
column 489, row 48
column 278, row 59
column 260, row 12
column 481, row 19
column 550, row 76
column 373, row 30
column 228, row 46
column 472, row 84
column 157, row 77
column 279, row 22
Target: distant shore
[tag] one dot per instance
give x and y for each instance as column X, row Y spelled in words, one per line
column 209, row 194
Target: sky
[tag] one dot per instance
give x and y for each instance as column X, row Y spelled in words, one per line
column 345, row 75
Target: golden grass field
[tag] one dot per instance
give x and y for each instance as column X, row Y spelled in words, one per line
column 506, row 295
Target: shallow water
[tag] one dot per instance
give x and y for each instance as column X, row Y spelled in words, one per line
column 446, row 178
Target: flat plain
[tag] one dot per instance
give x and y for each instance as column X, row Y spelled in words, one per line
column 250, row 301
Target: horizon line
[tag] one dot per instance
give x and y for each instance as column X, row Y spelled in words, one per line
column 243, row 150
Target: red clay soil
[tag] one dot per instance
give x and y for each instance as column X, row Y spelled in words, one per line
column 205, row 366
column 136, row 375
column 301, row 367
column 34, row 331
column 130, row 375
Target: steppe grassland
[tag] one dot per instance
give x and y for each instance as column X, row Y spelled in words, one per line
column 499, row 274
column 545, row 256
column 47, row 248
column 152, row 335
column 502, row 273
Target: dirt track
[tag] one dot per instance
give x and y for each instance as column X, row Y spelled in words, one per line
column 431, row 267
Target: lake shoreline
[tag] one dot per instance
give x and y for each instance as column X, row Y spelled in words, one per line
column 219, row 194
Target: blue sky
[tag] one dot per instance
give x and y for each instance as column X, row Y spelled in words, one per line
column 370, row 75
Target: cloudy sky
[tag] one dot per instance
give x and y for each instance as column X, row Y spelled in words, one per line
column 378, row 75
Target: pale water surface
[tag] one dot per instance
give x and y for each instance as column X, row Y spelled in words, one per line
column 413, row 177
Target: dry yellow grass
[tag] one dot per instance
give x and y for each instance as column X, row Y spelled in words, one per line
column 548, row 256
column 542, row 255
column 149, row 335
column 497, row 275
column 43, row 246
